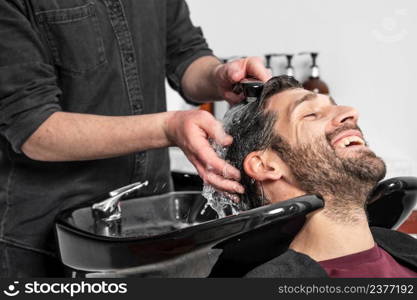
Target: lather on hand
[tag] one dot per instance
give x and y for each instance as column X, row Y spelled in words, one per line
column 191, row 130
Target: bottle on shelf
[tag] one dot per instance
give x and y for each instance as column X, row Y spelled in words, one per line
column 314, row 83
column 207, row 107
column 268, row 61
column 289, row 69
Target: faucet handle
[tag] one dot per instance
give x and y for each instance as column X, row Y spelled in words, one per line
column 109, row 209
column 128, row 188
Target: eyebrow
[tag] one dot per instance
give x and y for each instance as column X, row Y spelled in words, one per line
column 308, row 97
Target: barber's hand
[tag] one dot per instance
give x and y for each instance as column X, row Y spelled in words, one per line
column 190, row 131
column 227, row 75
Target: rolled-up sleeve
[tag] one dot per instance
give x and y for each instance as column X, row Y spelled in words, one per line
column 185, row 42
column 28, row 90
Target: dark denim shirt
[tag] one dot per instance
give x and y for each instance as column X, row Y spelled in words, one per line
column 104, row 57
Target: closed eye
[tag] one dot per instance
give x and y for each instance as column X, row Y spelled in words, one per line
column 310, row 116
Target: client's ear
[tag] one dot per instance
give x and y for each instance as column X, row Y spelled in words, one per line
column 262, row 166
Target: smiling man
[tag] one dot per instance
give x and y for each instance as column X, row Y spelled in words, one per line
column 294, row 142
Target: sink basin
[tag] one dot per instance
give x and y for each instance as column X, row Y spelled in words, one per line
column 174, row 235
column 162, row 229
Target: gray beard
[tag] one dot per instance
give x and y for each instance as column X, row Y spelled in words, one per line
column 344, row 183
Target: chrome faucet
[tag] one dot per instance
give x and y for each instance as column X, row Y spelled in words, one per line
column 109, row 209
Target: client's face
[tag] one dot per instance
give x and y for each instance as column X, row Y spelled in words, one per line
column 322, row 144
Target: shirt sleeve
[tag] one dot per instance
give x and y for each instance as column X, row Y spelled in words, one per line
column 28, row 89
column 185, row 43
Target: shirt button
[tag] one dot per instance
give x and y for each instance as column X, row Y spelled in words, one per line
column 129, row 58
column 114, row 8
column 137, row 106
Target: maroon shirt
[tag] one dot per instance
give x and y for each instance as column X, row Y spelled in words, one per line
column 375, row 262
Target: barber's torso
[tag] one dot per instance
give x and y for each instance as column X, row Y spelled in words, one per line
column 109, row 58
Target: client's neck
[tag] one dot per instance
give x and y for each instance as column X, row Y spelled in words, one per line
column 334, row 231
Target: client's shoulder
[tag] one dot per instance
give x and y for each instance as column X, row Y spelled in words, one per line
column 290, row 264
column 395, row 242
column 386, row 234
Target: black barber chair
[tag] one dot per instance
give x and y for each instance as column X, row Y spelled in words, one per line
column 174, row 235
column 392, row 201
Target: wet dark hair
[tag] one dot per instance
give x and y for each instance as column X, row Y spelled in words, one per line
column 252, row 130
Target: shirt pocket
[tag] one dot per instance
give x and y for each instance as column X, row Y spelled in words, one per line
column 74, row 38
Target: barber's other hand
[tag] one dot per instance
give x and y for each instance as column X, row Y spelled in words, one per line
column 190, row 131
column 228, row 74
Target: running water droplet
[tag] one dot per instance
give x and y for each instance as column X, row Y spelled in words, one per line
column 221, row 202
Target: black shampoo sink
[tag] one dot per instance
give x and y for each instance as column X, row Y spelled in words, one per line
column 164, row 233
column 174, row 235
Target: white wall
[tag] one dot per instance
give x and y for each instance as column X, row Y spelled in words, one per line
column 367, row 57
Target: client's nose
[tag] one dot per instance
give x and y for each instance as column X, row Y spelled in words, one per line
column 345, row 114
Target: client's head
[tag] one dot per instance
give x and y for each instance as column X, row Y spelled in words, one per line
column 294, row 142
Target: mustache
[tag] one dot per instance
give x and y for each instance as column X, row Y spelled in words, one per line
column 338, row 130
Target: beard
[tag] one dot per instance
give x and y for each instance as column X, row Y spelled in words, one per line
column 344, row 182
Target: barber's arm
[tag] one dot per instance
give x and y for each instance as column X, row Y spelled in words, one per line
column 71, row 137
column 33, row 123
column 191, row 67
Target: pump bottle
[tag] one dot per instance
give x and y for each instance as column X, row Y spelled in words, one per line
column 289, row 69
column 314, row 83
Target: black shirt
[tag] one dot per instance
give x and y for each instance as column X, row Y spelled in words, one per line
column 104, row 57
